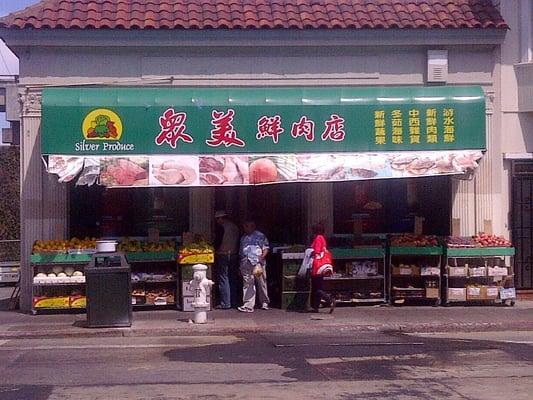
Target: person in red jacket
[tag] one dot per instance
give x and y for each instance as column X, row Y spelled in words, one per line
column 321, row 267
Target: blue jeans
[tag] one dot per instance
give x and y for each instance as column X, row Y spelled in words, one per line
column 226, row 268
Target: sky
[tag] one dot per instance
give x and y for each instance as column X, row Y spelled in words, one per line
column 7, row 6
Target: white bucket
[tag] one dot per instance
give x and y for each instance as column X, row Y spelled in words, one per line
column 106, row 246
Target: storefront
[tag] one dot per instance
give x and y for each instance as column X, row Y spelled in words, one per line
column 292, row 127
column 128, row 156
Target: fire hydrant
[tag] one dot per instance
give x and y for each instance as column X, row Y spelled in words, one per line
column 201, row 286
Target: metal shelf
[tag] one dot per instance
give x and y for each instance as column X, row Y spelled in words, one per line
column 367, row 300
column 58, row 284
column 355, row 278
column 364, row 252
column 479, row 252
column 415, row 251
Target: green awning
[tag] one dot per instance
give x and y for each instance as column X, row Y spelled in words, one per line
column 150, row 121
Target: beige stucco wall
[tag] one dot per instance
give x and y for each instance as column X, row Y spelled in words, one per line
column 383, row 63
column 250, row 66
column 515, row 127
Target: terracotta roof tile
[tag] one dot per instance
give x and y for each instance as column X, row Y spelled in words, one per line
column 257, row 14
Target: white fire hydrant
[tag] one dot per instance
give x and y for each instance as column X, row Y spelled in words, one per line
column 201, row 286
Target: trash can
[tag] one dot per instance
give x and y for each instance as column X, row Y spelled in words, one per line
column 108, row 283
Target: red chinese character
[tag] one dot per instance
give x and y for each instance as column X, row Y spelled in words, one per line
column 172, row 128
column 334, row 129
column 223, row 131
column 269, row 126
column 304, row 127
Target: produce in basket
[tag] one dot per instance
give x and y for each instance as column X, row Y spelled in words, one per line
column 458, row 242
column 488, row 240
column 408, row 239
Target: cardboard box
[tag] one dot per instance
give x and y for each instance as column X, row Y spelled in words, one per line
column 432, row 293
column 475, row 293
column 456, row 294
column 78, row 302
column 51, row 302
column 137, row 300
column 201, row 258
column 507, row 293
column 430, row 271
column 186, row 289
column 497, row 271
column 492, row 292
column 477, row 271
column 406, row 270
column 186, row 272
column 159, row 300
column 457, row 271
column 187, row 303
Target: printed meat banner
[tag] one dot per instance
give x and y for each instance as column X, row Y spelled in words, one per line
column 124, row 171
column 173, row 171
column 233, row 170
column 224, row 170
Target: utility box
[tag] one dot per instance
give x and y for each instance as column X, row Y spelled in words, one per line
column 108, row 282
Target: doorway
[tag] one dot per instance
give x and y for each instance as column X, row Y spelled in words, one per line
column 522, row 223
column 277, row 209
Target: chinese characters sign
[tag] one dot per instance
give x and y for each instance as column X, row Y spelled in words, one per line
column 266, row 120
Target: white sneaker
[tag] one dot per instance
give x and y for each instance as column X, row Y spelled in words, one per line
column 265, row 306
column 245, row 309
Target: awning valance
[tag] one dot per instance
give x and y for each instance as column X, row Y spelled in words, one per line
column 194, row 121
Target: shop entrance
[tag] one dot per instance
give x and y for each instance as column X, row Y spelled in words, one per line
column 522, row 223
column 277, row 209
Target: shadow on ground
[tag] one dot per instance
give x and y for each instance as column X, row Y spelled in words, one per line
column 352, row 358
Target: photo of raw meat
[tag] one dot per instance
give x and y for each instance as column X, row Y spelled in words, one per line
column 224, row 170
column 124, row 171
column 320, row 167
column 174, row 171
column 270, row 169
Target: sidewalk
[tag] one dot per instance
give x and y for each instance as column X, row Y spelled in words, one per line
column 378, row 318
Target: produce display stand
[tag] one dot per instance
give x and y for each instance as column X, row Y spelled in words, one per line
column 359, row 275
column 415, row 274
column 58, row 294
column 295, row 291
column 153, row 281
column 479, row 275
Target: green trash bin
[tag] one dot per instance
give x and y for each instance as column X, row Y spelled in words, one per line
column 108, row 282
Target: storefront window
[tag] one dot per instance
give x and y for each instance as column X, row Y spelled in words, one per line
column 96, row 211
column 390, row 206
column 277, row 209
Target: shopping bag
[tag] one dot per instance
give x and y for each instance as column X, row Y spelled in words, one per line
column 307, row 264
column 323, row 263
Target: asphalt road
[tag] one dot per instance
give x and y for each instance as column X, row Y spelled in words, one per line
column 341, row 366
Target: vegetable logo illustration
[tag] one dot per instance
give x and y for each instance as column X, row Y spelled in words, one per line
column 102, row 124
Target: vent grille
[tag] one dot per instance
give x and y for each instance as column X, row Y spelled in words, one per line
column 437, row 66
